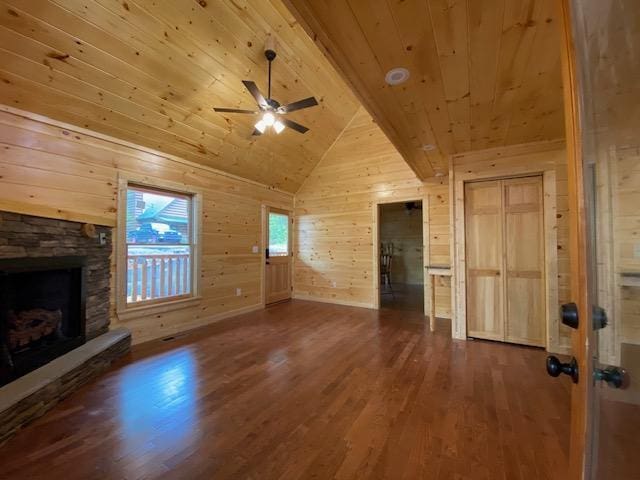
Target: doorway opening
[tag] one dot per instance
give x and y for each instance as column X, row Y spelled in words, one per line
column 401, row 256
column 278, row 255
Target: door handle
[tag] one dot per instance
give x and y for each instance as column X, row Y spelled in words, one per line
column 555, row 367
column 614, row 376
column 569, row 315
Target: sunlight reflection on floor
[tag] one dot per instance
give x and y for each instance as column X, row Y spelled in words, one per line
column 158, row 404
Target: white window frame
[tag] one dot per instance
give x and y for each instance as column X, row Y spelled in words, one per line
column 127, row 310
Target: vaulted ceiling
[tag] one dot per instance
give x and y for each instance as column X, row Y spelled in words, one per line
column 483, row 73
column 149, row 72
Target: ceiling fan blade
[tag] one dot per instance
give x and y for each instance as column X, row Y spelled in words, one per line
column 253, row 90
column 256, row 132
column 294, row 125
column 232, row 110
column 299, row 105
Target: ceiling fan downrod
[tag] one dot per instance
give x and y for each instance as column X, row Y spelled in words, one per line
column 271, row 56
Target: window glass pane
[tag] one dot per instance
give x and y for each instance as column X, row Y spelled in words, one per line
column 157, row 218
column 159, row 249
column 278, row 234
column 157, row 271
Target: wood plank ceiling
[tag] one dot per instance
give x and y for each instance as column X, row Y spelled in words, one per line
column 484, row 73
column 149, row 72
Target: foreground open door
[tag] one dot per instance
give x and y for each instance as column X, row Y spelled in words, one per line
column 602, row 93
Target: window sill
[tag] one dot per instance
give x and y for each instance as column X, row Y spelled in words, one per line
column 157, row 308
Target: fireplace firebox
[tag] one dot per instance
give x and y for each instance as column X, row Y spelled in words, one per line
column 42, row 311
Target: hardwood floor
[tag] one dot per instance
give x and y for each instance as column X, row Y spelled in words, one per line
column 310, row 391
column 405, row 297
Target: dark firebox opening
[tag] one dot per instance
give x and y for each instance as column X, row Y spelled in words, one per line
column 42, row 312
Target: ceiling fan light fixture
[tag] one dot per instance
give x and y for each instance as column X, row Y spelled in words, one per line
column 269, row 108
column 268, row 119
column 278, row 126
column 261, row 126
column 396, row 76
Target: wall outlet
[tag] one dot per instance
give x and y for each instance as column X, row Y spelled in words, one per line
column 238, row 292
column 333, row 284
column 255, row 249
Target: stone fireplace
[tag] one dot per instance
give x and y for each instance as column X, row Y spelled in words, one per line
column 55, row 294
column 24, row 237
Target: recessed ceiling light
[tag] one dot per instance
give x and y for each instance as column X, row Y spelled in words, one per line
column 428, row 147
column 396, row 76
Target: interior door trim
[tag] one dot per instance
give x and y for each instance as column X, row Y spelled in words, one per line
column 458, row 284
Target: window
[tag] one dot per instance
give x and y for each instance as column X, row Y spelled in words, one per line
column 278, row 234
column 160, row 245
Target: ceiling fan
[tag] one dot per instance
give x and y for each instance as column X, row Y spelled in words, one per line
column 271, row 110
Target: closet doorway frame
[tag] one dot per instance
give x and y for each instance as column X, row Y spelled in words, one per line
column 459, row 300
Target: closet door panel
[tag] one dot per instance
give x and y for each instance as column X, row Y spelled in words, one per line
column 483, row 231
column 524, row 261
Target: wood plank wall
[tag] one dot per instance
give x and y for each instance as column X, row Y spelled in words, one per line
column 334, row 215
column 63, row 172
column 618, row 244
column 519, row 160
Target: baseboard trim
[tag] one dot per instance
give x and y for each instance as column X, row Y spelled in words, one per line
column 204, row 322
column 334, row 301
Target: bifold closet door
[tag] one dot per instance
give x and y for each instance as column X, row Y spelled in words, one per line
column 483, row 231
column 505, row 260
column 524, row 261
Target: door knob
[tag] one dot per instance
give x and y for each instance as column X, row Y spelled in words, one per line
column 569, row 315
column 614, row 376
column 555, row 367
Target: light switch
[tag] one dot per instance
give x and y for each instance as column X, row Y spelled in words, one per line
column 255, row 249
